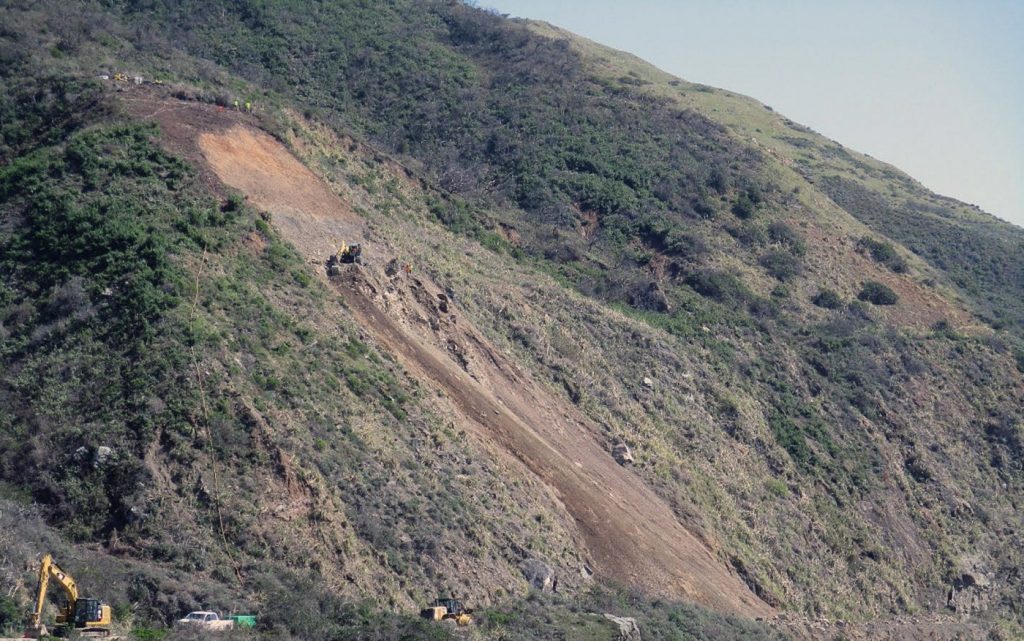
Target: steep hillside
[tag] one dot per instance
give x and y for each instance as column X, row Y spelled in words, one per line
column 644, row 336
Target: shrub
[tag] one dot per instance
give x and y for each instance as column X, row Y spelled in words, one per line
column 780, row 264
column 719, row 181
column 780, row 232
column 877, row 293
column 719, row 285
column 10, row 613
column 884, row 253
column 827, row 299
column 743, row 208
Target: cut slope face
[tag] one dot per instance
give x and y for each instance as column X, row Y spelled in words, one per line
column 306, row 211
column 631, row 533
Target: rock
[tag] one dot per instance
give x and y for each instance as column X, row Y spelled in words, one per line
column 622, row 453
column 103, row 456
column 628, row 628
column 391, row 268
column 971, row 592
column 648, row 382
column 539, row 574
column 81, row 454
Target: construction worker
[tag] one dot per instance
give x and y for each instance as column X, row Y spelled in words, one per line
column 248, row 107
column 236, row 106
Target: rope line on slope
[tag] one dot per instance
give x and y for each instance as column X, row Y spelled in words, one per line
column 206, row 424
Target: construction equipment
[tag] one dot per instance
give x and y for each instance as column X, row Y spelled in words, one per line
column 89, row 617
column 448, row 610
column 346, row 255
column 349, row 253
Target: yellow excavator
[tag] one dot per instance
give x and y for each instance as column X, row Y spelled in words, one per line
column 346, row 255
column 89, row 617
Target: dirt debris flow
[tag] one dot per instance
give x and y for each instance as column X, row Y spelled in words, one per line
column 631, row 533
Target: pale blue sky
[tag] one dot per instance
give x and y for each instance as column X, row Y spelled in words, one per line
column 935, row 87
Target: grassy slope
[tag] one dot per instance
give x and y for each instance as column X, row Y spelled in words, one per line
column 977, row 253
column 146, row 313
column 826, row 410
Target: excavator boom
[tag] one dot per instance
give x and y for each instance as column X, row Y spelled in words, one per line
column 99, row 614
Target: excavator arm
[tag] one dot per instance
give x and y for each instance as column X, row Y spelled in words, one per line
column 44, row 581
column 49, row 570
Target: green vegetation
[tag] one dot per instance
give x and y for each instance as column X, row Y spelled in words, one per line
column 263, row 448
column 827, row 299
column 983, row 258
column 543, row 616
column 884, row 253
column 877, row 293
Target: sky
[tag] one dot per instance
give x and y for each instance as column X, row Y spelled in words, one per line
column 934, row 87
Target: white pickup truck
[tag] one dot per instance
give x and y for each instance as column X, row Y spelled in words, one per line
column 207, row 620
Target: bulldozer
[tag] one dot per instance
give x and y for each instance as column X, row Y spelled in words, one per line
column 448, row 610
column 89, row 617
column 346, row 255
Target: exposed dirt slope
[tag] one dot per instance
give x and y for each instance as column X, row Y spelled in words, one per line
column 630, row 532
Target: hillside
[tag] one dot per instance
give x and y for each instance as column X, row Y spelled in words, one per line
column 648, row 337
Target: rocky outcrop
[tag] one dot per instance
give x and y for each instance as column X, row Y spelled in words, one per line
column 540, row 575
column 971, row 592
column 622, row 453
column 628, row 628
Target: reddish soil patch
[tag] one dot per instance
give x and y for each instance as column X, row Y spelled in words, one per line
column 253, row 163
column 919, row 306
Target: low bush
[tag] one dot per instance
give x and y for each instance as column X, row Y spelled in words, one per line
column 877, row 293
column 718, row 285
column 884, row 253
column 780, row 264
column 827, row 299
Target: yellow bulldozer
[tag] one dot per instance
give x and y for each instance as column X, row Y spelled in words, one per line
column 448, row 610
column 89, row 617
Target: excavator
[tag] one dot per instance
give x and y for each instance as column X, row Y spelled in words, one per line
column 89, row 617
column 448, row 610
column 346, row 255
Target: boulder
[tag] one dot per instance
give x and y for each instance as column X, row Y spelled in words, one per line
column 622, row 453
column 103, row 456
column 971, row 592
column 628, row 628
column 539, row 574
